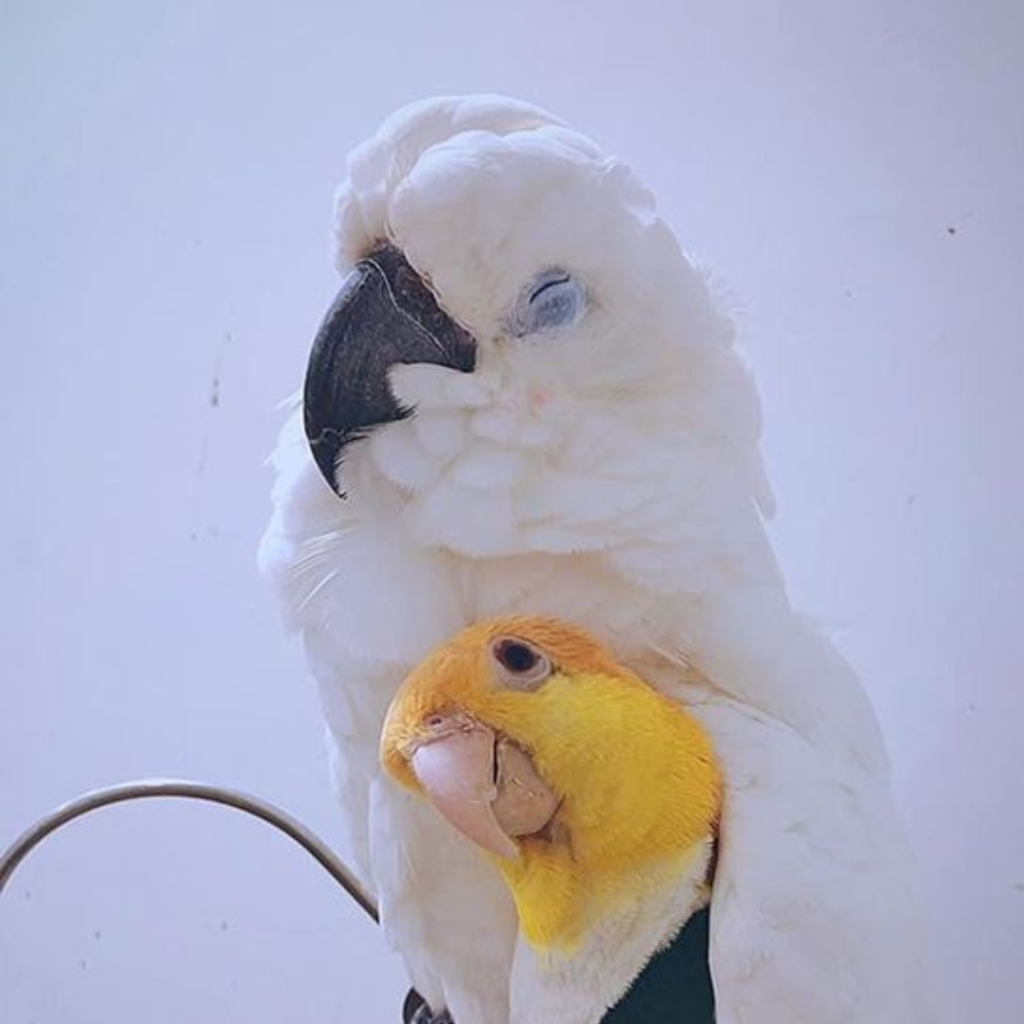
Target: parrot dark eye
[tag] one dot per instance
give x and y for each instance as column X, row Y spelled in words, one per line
column 554, row 298
column 519, row 665
column 516, row 656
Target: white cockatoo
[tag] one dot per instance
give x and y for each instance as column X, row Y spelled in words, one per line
column 525, row 401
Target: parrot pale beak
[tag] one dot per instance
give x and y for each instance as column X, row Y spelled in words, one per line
column 481, row 783
column 384, row 314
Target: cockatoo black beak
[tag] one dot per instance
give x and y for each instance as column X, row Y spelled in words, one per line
column 383, row 315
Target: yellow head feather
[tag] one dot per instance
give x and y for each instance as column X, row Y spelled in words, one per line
column 640, row 789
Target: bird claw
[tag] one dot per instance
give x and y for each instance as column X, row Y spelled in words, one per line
column 416, row 1011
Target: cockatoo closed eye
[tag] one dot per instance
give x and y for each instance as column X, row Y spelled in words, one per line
column 553, row 299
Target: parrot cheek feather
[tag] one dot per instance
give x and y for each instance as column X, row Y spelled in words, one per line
column 441, row 434
column 488, row 468
column 473, row 522
column 399, row 457
column 427, row 387
column 511, row 428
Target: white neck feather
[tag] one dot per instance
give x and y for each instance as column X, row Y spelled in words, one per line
column 580, row 987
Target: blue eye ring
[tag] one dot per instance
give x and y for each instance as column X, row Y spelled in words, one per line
column 554, row 299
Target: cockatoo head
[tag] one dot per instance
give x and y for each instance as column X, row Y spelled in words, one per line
column 513, row 314
column 586, row 785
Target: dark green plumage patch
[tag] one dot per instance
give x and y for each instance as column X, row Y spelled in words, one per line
column 675, row 987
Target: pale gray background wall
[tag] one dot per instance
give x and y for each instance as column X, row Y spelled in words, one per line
column 852, row 172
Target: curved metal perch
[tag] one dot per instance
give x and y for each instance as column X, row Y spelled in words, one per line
column 143, row 789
